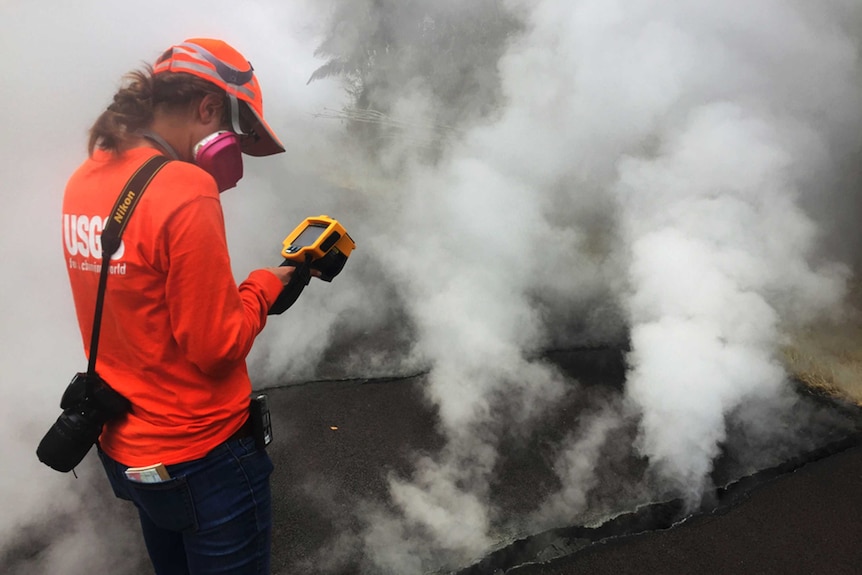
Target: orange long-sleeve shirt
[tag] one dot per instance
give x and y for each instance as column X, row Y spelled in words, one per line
column 176, row 328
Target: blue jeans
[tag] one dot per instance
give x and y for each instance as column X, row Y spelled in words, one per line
column 213, row 516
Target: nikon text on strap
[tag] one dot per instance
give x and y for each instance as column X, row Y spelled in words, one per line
column 114, row 227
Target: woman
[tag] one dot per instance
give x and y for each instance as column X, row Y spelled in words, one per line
column 176, row 328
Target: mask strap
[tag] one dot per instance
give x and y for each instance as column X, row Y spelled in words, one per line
column 161, row 142
column 234, row 115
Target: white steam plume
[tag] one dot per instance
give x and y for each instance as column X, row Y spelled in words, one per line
column 672, row 159
column 661, row 154
column 721, row 253
column 719, row 257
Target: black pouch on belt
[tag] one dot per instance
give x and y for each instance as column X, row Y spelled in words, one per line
column 260, row 421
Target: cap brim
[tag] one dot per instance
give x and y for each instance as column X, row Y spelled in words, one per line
column 266, row 143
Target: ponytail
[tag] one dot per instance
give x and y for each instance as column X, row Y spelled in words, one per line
column 131, row 110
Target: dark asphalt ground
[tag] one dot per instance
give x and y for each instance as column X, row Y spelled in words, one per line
column 337, row 441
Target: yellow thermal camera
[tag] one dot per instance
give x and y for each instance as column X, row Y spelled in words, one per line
column 319, row 244
column 322, row 243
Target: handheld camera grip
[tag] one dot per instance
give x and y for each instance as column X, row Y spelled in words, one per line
column 291, row 292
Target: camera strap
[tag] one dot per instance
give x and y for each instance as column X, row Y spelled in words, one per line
column 111, row 234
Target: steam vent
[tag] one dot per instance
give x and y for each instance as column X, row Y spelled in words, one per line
column 777, row 500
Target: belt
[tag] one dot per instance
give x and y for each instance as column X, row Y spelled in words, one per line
column 246, row 430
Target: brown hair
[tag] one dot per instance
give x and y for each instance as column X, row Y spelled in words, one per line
column 135, row 103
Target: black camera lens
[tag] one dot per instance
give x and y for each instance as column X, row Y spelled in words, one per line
column 69, row 440
column 87, row 404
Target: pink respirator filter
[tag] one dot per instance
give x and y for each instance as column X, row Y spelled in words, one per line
column 221, row 156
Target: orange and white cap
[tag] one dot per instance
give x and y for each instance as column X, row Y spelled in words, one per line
column 217, row 62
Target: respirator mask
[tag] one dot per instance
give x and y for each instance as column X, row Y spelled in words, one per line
column 220, row 155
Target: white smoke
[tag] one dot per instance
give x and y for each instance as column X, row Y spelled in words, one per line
column 665, row 168
column 693, row 132
column 719, row 256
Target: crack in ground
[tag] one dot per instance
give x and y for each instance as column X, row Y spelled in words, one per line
column 565, row 542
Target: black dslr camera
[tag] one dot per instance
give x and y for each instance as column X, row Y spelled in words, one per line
column 87, row 404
